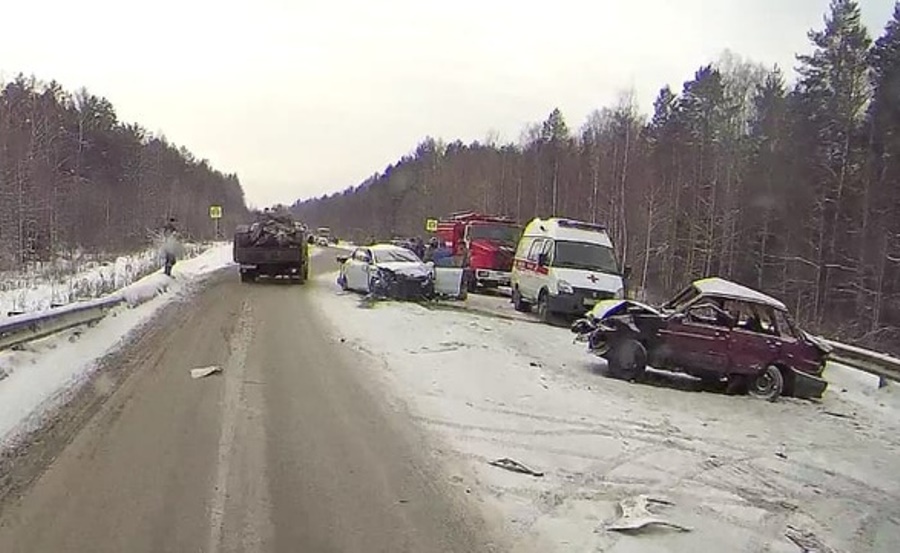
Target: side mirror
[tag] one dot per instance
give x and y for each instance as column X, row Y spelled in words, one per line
column 627, row 272
column 342, row 259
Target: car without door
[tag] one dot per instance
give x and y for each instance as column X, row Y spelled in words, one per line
column 714, row 329
column 388, row 271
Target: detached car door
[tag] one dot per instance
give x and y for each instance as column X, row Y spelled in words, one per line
column 356, row 270
column 696, row 341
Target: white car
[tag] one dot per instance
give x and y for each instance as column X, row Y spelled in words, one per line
column 386, row 270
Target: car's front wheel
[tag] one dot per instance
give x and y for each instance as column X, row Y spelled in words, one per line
column 627, row 360
column 768, row 384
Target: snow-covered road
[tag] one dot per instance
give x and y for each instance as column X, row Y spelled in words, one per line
column 739, row 471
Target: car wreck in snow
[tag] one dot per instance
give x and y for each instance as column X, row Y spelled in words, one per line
column 714, row 329
column 386, row 271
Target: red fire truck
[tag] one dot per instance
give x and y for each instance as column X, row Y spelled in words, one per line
column 492, row 244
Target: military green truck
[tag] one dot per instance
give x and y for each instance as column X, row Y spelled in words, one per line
column 275, row 247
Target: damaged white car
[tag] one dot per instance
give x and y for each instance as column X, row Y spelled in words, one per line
column 387, row 271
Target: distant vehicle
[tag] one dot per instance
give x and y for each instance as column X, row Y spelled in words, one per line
column 564, row 267
column 713, row 329
column 323, row 236
column 276, row 246
column 386, row 270
column 491, row 241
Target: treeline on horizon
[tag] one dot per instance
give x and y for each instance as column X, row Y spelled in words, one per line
column 73, row 177
column 792, row 188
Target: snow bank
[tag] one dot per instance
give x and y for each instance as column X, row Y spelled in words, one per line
column 738, row 470
column 42, row 374
column 71, row 281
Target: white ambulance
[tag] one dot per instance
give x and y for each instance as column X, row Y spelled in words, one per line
column 564, row 267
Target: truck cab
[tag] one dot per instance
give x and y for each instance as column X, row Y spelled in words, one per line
column 564, row 267
column 491, row 241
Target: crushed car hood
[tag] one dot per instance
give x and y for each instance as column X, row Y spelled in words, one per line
column 609, row 308
column 412, row 270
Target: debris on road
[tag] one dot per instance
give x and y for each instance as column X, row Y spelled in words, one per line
column 514, row 466
column 205, row 371
column 806, row 541
column 636, row 515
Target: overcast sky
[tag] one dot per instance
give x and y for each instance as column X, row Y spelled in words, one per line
column 302, row 97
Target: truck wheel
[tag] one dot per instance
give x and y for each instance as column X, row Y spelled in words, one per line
column 248, row 277
column 768, row 384
column 627, row 360
column 519, row 304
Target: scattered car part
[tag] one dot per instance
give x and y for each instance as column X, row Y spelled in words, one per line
column 636, row 515
column 514, row 466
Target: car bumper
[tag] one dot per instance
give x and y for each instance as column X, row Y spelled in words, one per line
column 501, row 278
column 807, row 386
column 577, row 303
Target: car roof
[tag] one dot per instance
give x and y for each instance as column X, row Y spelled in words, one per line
column 715, row 286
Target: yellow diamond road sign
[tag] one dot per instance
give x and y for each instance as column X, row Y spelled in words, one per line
column 215, row 212
column 431, row 225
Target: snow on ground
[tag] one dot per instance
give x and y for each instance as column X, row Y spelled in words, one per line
column 739, row 471
column 67, row 282
column 45, row 372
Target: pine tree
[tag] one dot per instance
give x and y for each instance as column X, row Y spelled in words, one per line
column 834, row 90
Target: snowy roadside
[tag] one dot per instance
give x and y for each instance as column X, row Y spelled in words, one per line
column 738, row 471
column 68, row 282
column 43, row 373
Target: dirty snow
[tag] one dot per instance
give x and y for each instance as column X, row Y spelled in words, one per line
column 44, row 372
column 738, row 471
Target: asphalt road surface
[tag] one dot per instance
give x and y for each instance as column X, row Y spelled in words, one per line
column 291, row 448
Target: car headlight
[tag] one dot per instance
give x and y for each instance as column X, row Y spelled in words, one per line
column 564, row 287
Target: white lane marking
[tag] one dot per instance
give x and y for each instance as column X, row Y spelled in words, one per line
column 239, row 342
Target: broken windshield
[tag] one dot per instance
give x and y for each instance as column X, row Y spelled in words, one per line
column 585, row 256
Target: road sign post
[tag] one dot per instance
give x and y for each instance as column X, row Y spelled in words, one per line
column 215, row 213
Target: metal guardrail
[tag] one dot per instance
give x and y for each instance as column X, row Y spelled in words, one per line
column 885, row 367
column 20, row 329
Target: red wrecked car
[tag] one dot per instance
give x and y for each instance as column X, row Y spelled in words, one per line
column 714, row 329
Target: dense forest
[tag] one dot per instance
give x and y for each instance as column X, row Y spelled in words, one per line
column 789, row 187
column 72, row 176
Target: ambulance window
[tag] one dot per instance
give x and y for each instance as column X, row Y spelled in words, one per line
column 524, row 247
column 536, row 248
column 548, row 251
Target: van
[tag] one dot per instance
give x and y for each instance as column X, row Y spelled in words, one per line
column 564, row 267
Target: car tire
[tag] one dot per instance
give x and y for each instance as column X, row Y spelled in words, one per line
column 248, row 277
column 627, row 360
column 543, row 307
column 519, row 304
column 767, row 385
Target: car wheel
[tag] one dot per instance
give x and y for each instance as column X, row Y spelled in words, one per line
column 627, row 360
column 543, row 307
column 519, row 304
column 248, row 277
column 768, row 384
